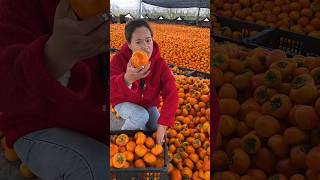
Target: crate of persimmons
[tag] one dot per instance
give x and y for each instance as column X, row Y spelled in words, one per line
column 135, row 155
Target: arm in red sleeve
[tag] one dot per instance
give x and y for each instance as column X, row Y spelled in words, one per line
column 24, row 78
column 118, row 86
column 170, row 97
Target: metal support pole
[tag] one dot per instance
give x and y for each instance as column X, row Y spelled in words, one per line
column 197, row 22
column 140, row 9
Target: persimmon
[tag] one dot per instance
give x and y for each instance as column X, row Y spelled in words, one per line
column 118, row 160
column 140, row 138
column 113, row 149
column 242, row 129
column 272, row 77
column 220, row 61
column 221, row 160
column 227, row 77
column 297, row 177
column 300, row 70
column 257, row 80
column 278, row 146
column 285, row 167
column 236, row 66
column 227, row 91
column 218, row 78
column 258, row 63
column 303, row 89
column 251, row 118
column 121, row 149
column 149, row 158
column 311, row 175
column 140, row 150
column 139, row 59
column 294, row 135
column 129, row 155
column 242, row 81
column 131, row 146
column 266, row 126
column 313, row 159
column 122, row 140
column 176, row 174
column 240, row 161
column 305, row 117
column 257, row 174
column 278, row 177
column 278, row 106
column 265, row 160
column 157, row 150
column 276, row 56
column 10, row 154
column 226, row 175
column 87, row 9
column 187, row 172
column 159, row 163
column 284, row 88
column 170, row 168
column 194, row 157
column 250, row 143
column 286, row 68
column 177, row 159
column 139, row 163
column 229, row 106
column 227, row 124
column 298, row 156
column 315, row 73
column 25, row 171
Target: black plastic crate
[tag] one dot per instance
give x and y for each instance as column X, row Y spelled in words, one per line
column 237, row 25
column 186, row 71
column 291, row 43
column 199, row 74
column 148, row 173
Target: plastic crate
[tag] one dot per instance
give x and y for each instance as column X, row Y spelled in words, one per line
column 141, row 173
column 291, row 43
column 199, row 74
column 237, row 25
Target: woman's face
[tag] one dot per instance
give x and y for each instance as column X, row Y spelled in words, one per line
column 141, row 39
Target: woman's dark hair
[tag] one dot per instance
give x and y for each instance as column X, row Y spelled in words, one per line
column 132, row 25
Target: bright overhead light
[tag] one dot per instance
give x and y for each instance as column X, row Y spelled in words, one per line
column 206, row 20
column 179, row 19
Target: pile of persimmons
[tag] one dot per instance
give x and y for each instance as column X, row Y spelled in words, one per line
column 270, row 111
column 184, row 46
column 188, row 141
column 299, row 16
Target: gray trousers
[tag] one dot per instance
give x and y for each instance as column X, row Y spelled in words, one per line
column 137, row 117
column 61, row 154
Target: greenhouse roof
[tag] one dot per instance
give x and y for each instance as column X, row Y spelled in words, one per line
column 179, row 3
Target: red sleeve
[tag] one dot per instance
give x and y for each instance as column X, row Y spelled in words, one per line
column 118, row 87
column 24, row 78
column 169, row 94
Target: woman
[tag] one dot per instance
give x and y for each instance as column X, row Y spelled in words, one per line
column 52, row 93
column 135, row 92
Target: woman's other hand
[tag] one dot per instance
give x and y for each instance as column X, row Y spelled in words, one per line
column 132, row 74
column 161, row 131
column 73, row 40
